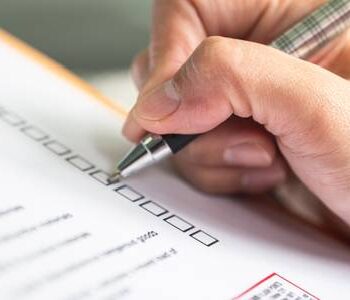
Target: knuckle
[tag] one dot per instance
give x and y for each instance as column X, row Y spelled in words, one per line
column 213, row 42
column 224, row 57
column 210, row 51
column 220, row 49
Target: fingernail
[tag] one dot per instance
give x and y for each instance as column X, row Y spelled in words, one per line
column 263, row 178
column 158, row 103
column 248, row 154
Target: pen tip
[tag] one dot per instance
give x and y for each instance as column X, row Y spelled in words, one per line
column 115, row 178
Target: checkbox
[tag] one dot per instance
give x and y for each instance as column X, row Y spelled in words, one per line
column 179, row 223
column 79, row 162
column 101, row 176
column 10, row 210
column 57, row 148
column 154, row 208
column 129, row 193
column 11, row 118
column 204, row 238
column 34, row 133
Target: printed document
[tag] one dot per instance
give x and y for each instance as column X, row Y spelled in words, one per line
column 67, row 234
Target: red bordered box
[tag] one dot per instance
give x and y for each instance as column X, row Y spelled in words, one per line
column 275, row 286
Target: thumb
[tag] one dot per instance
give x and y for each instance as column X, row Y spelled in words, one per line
column 226, row 76
column 304, row 106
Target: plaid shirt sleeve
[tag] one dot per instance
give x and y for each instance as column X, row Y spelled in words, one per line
column 316, row 30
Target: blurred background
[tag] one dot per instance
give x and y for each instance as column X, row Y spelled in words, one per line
column 95, row 38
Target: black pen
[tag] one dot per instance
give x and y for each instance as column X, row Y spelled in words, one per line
column 301, row 41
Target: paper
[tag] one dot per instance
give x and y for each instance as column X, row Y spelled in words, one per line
column 275, row 287
column 66, row 234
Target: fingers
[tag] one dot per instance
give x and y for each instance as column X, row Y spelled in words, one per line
column 238, row 156
column 225, row 180
column 176, row 31
column 304, row 106
column 237, row 142
column 180, row 25
column 225, row 77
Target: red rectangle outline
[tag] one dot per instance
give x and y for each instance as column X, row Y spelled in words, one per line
column 267, row 278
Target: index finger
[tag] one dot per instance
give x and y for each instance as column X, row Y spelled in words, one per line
column 176, row 31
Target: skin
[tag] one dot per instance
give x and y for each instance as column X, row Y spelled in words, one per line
column 264, row 114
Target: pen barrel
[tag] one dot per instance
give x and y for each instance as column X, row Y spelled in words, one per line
column 177, row 141
column 313, row 32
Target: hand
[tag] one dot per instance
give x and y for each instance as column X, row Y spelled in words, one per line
column 262, row 109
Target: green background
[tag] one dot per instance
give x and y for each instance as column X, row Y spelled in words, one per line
column 82, row 34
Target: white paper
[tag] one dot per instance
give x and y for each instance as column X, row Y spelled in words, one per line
column 65, row 234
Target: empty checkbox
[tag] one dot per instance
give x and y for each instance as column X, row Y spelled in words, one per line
column 179, row 223
column 204, row 238
column 57, row 148
column 129, row 193
column 34, row 133
column 101, row 176
column 11, row 118
column 79, row 162
column 154, row 208
column 10, row 210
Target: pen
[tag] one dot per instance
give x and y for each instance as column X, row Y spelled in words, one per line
column 302, row 40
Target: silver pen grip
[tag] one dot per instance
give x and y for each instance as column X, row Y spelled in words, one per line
column 151, row 149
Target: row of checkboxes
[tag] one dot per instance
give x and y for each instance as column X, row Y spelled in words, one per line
column 159, row 211
column 11, row 118
column 39, row 135
column 54, row 146
column 84, row 165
